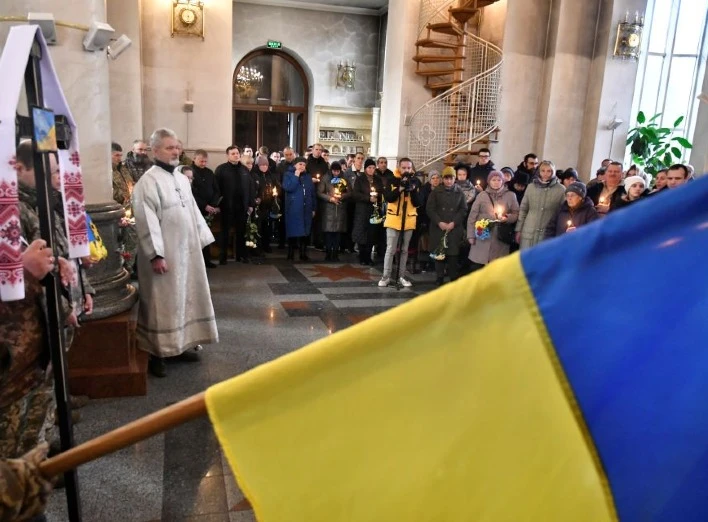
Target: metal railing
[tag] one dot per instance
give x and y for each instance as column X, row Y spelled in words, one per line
column 463, row 115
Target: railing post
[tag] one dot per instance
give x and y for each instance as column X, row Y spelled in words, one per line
column 473, row 114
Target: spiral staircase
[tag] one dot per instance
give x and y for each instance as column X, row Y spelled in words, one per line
column 463, row 73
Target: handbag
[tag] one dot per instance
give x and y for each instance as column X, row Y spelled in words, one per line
column 506, row 232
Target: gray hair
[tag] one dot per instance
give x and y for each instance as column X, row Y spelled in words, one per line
column 159, row 135
column 433, row 173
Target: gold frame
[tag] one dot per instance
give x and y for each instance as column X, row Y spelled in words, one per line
column 196, row 29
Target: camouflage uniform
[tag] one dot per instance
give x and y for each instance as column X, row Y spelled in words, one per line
column 136, row 167
column 23, row 489
column 26, row 401
column 122, row 191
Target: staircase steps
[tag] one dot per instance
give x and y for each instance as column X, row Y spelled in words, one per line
column 463, row 14
column 426, row 58
column 438, row 72
column 429, row 42
column 441, row 85
column 446, row 28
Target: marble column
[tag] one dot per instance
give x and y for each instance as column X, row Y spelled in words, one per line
column 561, row 85
column 84, row 79
column 699, row 153
column 126, row 75
column 403, row 90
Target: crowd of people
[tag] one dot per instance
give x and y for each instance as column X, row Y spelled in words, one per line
column 453, row 222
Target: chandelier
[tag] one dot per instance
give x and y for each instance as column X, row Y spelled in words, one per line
column 248, row 81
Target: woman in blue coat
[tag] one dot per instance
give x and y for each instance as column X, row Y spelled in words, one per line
column 300, row 204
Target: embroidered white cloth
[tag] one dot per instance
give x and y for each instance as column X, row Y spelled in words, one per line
column 13, row 63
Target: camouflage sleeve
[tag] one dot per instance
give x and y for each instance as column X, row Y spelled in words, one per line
column 30, row 223
column 23, row 490
column 88, row 289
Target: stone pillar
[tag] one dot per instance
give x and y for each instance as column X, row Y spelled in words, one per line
column 375, row 125
column 699, row 153
column 84, row 79
column 126, row 75
column 403, row 90
column 524, row 51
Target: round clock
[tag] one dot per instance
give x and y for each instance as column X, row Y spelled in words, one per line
column 187, row 16
column 633, row 40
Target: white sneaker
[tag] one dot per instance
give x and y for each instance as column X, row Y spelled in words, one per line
column 404, row 282
column 385, row 281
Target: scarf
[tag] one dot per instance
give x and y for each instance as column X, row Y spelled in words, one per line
column 12, row 69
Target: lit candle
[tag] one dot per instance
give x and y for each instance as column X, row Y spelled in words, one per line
column 602, row 200
column 128, row 213
column 500, row 212
column 275, row 192
column 570, row 226
column 373, row 194
column 479, row 183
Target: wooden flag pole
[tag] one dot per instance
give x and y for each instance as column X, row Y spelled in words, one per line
column 141, row 429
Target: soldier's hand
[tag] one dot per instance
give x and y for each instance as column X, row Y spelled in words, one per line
column 67, row 272
column 37, row 259
column 27, row 490
column 88, row 304
column 159, row 265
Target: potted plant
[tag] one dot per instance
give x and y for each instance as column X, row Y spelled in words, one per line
column 653, row 147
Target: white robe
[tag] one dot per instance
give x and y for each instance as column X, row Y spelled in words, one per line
column 176, row 312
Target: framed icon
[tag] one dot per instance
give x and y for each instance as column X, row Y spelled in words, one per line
column 44, row 128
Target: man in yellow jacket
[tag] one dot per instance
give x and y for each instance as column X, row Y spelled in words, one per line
column 401, row 191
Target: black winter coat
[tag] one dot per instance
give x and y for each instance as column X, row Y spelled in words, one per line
column 625, row 202
column 447, row 205
column 205, row 189
column 236, row 186
column 582, row 216
column 364, row 232
column 481, row 172
column 595, row 191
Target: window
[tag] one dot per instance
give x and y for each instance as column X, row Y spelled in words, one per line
column 672, row 64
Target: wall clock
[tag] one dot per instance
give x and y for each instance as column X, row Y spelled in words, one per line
column 188, row 18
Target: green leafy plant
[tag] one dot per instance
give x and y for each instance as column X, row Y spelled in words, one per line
column 653, row 147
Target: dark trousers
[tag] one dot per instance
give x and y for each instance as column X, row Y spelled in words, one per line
column 240, row 248
column 475, row 266
column 206, row 252
column 365, row 252
column 236, row 220
column 266, row 232
column 450, row 263
column 331, row 241
column 227, row 223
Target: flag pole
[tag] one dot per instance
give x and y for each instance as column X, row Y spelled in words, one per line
column 141, row 429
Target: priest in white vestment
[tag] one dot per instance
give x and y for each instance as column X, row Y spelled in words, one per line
column 176, row 314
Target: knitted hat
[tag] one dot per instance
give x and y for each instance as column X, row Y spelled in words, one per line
column 336, row 166
column 299, row 159
column 628, row 182
column 262, row 160
column 577, row 188
column 508, row 170
column 369, row 163
column 493, row 174
column 433, row 173
column 448, row 172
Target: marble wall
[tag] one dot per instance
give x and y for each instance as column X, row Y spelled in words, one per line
column 84, row 79
column 319, row 41
column 175, row 68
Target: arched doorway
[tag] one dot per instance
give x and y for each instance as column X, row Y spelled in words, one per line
column 270, row 101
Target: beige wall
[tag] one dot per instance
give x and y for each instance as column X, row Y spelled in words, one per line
column 126, row 74
column 171, row 66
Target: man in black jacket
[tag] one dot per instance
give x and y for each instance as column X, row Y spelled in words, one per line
column 206, row 193
column 287, row 163
column 317, row 167
column 238, row 199
column 480, row 172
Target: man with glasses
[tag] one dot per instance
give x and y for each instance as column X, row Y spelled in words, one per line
column 528, row 166
column 480, row 172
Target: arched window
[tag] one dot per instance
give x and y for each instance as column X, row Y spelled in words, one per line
column 270, row 101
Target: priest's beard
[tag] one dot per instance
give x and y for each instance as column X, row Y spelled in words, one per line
column 174, row 162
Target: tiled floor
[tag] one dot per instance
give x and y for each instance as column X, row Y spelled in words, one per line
column 263, row 312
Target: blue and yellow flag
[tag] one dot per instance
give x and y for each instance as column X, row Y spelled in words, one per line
column 568, row 383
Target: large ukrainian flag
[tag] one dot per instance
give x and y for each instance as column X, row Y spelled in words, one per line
column 566, row 384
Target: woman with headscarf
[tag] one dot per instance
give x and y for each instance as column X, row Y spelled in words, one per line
column 576, row 211
column 423, row 223
column 367, row 196
column 333, row 192
column 542, row 200
column 462, row 173
column 300, row 202
column 495, row 203
column 446, row 208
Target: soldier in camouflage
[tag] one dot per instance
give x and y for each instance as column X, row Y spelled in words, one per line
column 137, row 160
column 23, row 402
column 122, row 192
